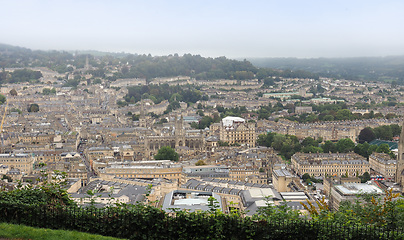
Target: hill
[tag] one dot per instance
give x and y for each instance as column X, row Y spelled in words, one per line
column 361, row 68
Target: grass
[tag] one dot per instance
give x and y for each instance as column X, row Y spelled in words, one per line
column 12, row 231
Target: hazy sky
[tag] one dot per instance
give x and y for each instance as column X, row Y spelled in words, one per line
column 271, row 28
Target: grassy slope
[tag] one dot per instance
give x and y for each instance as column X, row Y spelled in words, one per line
column 11, row 231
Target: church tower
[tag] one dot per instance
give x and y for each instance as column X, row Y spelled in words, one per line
column 400, row 159
column 179, row 131
column 142, row 117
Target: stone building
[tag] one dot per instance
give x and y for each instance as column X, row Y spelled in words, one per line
column 179, row 138
column 400, row 161
column 383, row 164
column 22, row 161
column 329, row 164
column 236, row 130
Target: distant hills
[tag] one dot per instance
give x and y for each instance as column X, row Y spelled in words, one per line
column 387, row 69
column 361, row 68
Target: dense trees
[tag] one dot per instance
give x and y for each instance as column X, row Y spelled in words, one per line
column 48, row 91
column 385, row 132
column 147, row 66
column 287, row 145
column 21, row 75
column 342, row 68
column 166, row 153
column 158, row 93
column 366, row 135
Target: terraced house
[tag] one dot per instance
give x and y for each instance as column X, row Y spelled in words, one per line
column 330, row 164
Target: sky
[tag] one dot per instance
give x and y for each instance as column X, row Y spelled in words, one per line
column 235, row 29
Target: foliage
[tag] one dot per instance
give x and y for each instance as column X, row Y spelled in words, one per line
column 365, row 177
column 142, row 221
column 2, row 99
column 345, row 145
column 166, row 153
column 49, row 193
column 13, row 92
column 342, row 68
column 387, row 132
column 16, row 110
column 367, row 210
column 205, row 122
column 158, row 93
column 279, row 212
column 24, row 75
column 366, row 135
column 200, row 163
column 72, row 83
column 287, row 145
column 33, row 107
column 47, row 91
column 222, row 144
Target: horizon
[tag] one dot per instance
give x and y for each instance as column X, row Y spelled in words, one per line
column 235, row 29
column 239, row 58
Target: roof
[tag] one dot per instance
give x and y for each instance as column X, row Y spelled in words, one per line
column 358, row 188
column 378, row 142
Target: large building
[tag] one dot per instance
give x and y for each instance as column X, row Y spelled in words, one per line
column 140, row 169
column 350, row 191
column 22, row 161
column 235, row 130
column 179, row 138
column 383, row 164
column 330, row 164
column 400, row 160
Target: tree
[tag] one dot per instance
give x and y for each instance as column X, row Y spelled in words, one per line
column 344, row 114
column 366, row 135
column 200, row 163
column 13, row 92
column 365, row 177
column 2, row 99
column 383, row 148
column 33, row 107
column 345, row 145
column 309, row 141
column 166, row 153
column 329, row 146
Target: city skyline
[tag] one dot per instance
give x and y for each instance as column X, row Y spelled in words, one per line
column 234, row 29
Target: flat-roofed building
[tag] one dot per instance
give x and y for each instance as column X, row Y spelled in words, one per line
column 383, row 164
column 350, row 192
column 329, row 164
column 192, row 201
column 330, row 182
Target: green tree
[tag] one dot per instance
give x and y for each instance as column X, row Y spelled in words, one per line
column 33, row 108
column 166, row 153
column 329, row 146
column 344, row 114
column 2, row 99
column 365, row 177
column 13, row 92
column 345, row 145
column 366, row 135
column 383, row 148
column 309, row 141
